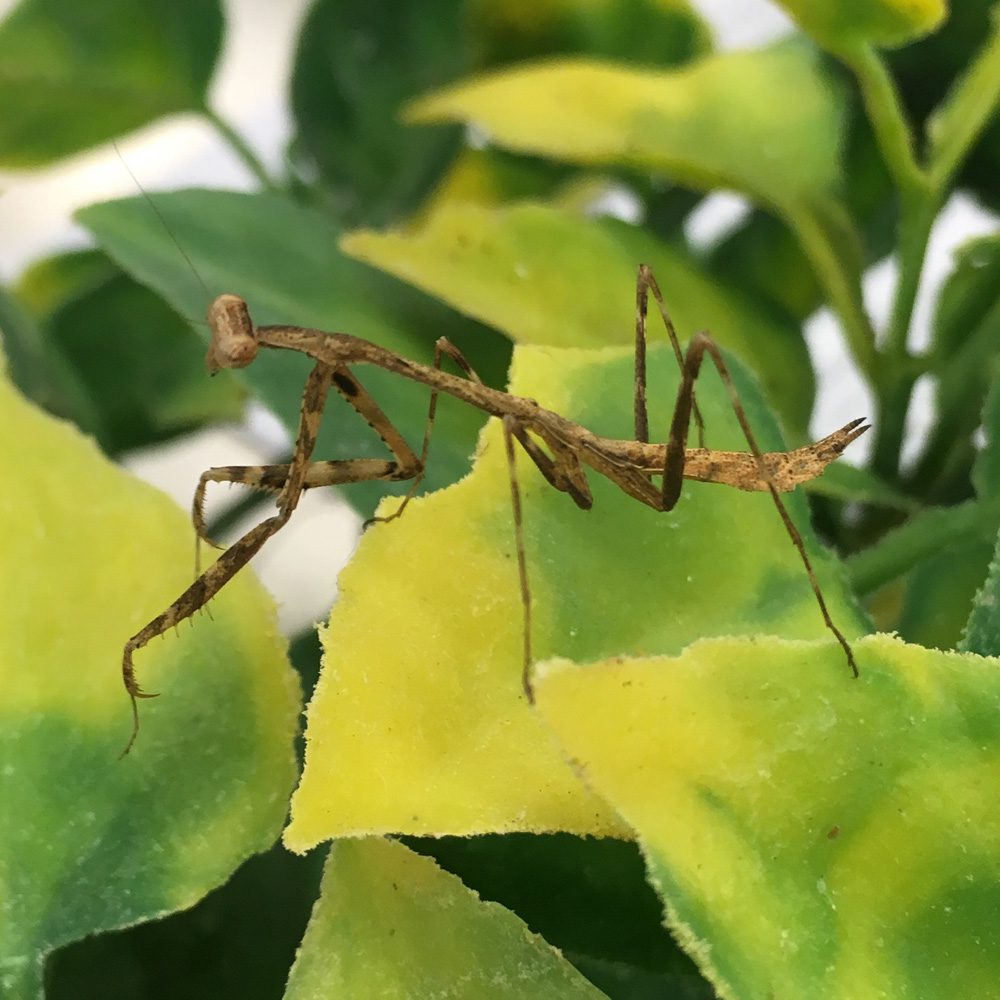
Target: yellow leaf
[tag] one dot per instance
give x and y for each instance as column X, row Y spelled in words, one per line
column 884, row 23
column 419, row 723
column 390, row 924
column 710, row 124
column 811, row 835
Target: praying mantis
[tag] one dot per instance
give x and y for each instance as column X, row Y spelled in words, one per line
column 560, row 449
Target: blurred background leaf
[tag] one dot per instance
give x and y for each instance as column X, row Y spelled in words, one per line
column 75, row 75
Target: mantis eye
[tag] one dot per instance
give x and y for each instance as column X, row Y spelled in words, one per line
column 234, row 344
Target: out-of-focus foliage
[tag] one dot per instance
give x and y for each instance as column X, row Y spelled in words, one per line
column 493, row 172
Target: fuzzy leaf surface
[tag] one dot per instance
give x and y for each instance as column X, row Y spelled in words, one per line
column 419, row 723
column 390, row 923
column 89, row 842
column 810, row 834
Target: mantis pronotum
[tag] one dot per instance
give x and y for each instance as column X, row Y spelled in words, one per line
column 558, row 447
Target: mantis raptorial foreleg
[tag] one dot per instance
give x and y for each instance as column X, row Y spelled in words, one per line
column 206, row 586
column 345, row 471
column 323, row 473
column 272, row 478
column 294, row 478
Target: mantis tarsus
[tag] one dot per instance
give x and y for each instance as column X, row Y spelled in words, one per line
column 559, row 448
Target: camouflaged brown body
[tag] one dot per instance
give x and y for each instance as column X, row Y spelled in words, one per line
column 559, row 448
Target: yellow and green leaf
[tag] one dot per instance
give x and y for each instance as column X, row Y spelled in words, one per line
column 419, row 723
column 836, row 23
column 390, row 923
column 87, row 841
column 811, row 835
column 711, row 123
column 551, row 277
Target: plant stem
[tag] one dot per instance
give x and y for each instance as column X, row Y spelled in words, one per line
column 881, row 100
column 954, row 127
column 896, row 376
column 919, row 202
column 842, row 291
column 916, row 218
column 239, row 146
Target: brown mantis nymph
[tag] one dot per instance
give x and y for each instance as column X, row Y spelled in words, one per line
column 559, row 448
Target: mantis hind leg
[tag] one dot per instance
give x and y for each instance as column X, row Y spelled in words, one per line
column 645, row 283
column 673, row 470
column 510, row 428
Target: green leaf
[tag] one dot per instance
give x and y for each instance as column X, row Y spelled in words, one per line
column 48, row 283
column 140, row 362
column 87, row 841
column 939, row 592
column 74, row 75
column 390, row 923
column 356, row 64
column 549, row 277
column 920, row 537
column 421, row 725
column 965, row 351
column 650, row 32
column 811, row 835
column 587, row 896
column 982, row 631
column 710, row 124
column 38, row 369
column 283, row 258
column 840, row 23
column 24, row 360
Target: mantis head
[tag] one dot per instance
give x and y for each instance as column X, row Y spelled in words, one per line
column 234, row 344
